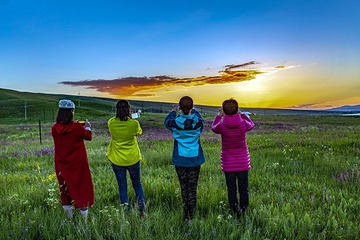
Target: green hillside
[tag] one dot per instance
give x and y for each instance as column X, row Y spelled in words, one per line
column 24, row 107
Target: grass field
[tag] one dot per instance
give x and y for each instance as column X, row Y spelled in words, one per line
column 304, row 184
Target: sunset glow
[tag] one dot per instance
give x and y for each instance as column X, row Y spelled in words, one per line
column 283, row 54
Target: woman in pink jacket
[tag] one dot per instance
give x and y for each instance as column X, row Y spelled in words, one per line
column 235, row 159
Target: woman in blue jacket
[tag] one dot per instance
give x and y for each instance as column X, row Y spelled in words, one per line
column 188, row 155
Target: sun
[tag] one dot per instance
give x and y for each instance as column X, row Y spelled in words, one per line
column 255, row 86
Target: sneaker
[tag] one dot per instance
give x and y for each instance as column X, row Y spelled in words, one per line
column 68, row 210
column 188, row 222
column 239, row 214
column 84, row 212
column 125, row 207
column 142, row 215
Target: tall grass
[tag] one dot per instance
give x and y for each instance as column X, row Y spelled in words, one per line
column 304, row 184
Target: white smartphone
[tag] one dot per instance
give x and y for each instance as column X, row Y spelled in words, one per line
column 135, row 115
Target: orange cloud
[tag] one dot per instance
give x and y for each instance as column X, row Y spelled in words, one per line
column 136, row 86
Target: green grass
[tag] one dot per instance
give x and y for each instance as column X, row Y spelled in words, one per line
column 304, row 184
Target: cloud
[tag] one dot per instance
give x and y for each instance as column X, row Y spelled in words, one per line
column 305, row 105
column 232, row 66
column 146, row 86
column 312, row 106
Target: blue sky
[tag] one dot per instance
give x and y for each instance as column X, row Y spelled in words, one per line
column 47, row 45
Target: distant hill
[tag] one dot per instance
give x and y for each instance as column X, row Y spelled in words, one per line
column 346, row 108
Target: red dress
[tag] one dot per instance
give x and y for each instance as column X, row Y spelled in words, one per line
column 71, row 164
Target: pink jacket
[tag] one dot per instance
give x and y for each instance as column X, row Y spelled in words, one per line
column 234, row 152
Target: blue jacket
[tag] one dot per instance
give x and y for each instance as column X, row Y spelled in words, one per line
column 186, row 130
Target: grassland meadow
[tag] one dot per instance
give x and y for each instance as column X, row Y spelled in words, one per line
column 304, row 184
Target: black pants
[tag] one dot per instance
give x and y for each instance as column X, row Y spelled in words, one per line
column 237, row 181
column 188, row 178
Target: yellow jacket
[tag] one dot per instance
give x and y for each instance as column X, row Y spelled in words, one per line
column 123, row 149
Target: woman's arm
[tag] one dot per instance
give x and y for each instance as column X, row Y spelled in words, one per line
column 216, row 124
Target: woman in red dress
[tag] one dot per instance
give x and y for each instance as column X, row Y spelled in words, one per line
column 71, row 161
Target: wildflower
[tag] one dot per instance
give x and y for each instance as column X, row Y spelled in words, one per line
column 312, row 198
column 44, row 151
column 340, row 177
column 220, row 218
column 16, row 154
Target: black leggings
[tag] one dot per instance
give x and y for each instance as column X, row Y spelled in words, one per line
column 237, row 182
column 188, row 178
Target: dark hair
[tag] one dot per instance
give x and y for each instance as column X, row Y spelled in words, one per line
column 230, row 106
column 65, row 115
column 186, row 104
column 123, row 110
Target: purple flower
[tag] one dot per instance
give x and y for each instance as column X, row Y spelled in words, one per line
column 45, row 151
column 16, row 154
column 340, row 177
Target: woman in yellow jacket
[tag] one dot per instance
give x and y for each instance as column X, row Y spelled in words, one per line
column 124, row 153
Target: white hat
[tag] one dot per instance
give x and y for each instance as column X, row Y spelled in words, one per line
column 66, row 104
